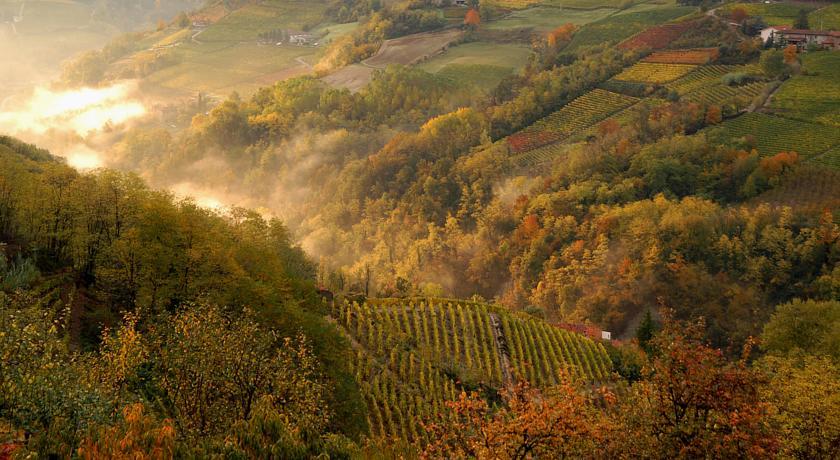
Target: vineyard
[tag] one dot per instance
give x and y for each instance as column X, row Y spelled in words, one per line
column 579, row 114
column 830, row 158
column 688, row 56
column 704, row 76
column 656, row 38
column 775, row 134
column 814, row 95
column 646, row 72
column 719, row 94
column 620, row 26
column 413, row 356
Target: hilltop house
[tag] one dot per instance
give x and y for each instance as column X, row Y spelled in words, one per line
column 784, row 36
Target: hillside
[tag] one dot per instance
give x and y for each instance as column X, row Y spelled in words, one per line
column 411, row 356
column 287, row 203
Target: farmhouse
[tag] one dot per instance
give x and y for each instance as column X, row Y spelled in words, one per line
column 784, row 36
column 301, row 39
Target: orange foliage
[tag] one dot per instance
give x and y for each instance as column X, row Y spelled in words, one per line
column 559, row 423
column 713, row 115
column 530, row 225
column 790, row 54
column 738, row 14
column 139, row 437
column 561, row 34
column 472, row 18
column 779, row 163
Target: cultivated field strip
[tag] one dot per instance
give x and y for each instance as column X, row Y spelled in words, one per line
column 775, row 134
column 579, row 114
column 703, row 76
column 647, row 72
column 720, row 93
column 697, row 56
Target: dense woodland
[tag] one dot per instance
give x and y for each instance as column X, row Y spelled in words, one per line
column 137, row 324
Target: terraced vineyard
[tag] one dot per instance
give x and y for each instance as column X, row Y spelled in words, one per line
column 579, row 114
column 647, row 72
column 775, row 134
column 689, row 56
column 704, row 76
column 739, row 96
column 413, row 356
column 815, row 95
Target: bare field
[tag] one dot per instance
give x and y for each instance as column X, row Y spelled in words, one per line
column 412, row 48
column 404, row 50
column 353, row 77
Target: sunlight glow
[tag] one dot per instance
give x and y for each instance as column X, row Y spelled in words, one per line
column 82, row 111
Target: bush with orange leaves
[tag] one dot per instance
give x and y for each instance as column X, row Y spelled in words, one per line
column 138, row 437
column 560, row 422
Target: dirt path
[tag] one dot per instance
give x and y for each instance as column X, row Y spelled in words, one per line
column 501, row 345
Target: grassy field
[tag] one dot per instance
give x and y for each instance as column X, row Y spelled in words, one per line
column 774, row 14
column 826, row 18
column 221, row 70
column 248, row 22
column 620, row 26
column 814, row 96
column 332, row 32
column 543, row 19
column 226, row 56
column 775, row 134
column 480, row 64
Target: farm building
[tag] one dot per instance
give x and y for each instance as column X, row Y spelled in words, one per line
column 784, row 36
column 302, row 39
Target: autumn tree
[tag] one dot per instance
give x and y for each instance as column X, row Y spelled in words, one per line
column 472, row 19
column 713, row 115
column 693, row 403
column 804, row 327
column 561, row 34
column 738, row 14
column 560, row 422
column 137, row 435
column 215, row 367
column 805, row 395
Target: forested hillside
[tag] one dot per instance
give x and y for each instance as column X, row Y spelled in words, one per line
column 431, row 229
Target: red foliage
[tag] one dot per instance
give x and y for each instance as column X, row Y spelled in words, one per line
column 524, row 141
column 658, row 37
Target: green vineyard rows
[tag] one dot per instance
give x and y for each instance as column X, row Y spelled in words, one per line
column 830, row 158
column 776, row 134
column 740, row 96
column 814, row 95
column 411, row 357
column 704, row 76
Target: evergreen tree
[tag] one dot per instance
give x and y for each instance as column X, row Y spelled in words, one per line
column 801, row 20
column 646, row 330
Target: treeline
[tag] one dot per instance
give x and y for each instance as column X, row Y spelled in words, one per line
column 82, row 253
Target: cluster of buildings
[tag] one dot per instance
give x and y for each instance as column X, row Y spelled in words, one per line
column 802, row 38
